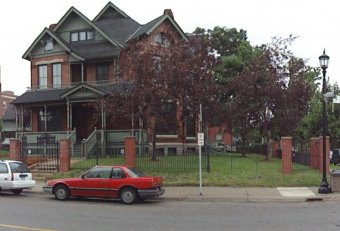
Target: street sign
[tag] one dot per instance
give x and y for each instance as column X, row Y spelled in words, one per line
column 200, row 138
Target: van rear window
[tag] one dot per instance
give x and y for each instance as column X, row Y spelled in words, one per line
column 18, row 167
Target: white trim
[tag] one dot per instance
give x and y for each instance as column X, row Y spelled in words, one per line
column 166, row 136
column 49, row 62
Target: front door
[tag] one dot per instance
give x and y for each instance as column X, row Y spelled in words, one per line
column 82, row 120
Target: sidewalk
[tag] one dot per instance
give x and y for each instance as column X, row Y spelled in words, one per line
column 232, row 194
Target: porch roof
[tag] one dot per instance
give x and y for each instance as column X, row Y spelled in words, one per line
column 57, row 95
column 40, row 96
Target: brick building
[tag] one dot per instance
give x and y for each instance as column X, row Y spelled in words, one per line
column 76, row 61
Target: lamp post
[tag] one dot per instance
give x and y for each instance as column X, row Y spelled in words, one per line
column 324, row 187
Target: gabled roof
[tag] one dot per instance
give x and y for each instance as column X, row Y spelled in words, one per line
column 109, row 6
column 53, row 36
column 80, row 87
column 75, row 11
column 152, row 25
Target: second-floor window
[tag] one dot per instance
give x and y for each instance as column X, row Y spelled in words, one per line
column 48, row 45
column 42, row 76
column 161, row 39
column 102, row 71
column 56, row 72
column 82, row 35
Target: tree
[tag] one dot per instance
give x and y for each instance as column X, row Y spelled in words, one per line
column 272, row 93
column 166, row 82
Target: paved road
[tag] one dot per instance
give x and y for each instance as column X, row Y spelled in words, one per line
column 43, row 213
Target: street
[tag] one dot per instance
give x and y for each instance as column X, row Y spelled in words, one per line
column 41, row 212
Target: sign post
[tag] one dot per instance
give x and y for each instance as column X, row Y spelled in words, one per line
column 200, row 139
column 200, row 142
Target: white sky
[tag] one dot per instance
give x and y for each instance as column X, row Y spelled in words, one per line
column 315, row 22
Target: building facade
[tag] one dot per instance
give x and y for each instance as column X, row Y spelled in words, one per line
column 76, row 62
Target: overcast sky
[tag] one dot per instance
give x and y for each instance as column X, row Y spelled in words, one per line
column 315, row 22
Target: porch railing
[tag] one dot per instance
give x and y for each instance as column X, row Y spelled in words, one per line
column 90, row 143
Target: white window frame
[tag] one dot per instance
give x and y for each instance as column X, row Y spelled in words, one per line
column 42, row 76
column 56, row 73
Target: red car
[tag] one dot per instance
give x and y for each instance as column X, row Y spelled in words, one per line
column 121, row 182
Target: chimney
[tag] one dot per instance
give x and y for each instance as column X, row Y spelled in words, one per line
column 169, row 12
column 52, row 26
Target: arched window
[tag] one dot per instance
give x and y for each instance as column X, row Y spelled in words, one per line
column 161, row 39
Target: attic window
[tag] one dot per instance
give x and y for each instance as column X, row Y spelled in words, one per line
column 82, row 35
column 161, row 39
column 48, row 46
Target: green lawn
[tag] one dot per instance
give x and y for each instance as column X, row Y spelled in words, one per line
column 225, row 170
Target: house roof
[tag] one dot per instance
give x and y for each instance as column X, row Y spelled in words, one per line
column 40, row 96
column 59, row 94
column 94, row 50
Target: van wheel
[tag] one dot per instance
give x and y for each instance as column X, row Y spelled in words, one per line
column 16, row 191
column 61, row 192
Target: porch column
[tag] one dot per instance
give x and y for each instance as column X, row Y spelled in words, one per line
column 45, row 116
column 103, row 115
column 68, row 116
column 82, row 72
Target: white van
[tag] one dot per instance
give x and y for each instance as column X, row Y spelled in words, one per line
column 15, row 176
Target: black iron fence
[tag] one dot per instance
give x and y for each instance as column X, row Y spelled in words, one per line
column 42, row 156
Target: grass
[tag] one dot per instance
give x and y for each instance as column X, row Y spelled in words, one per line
column 225, row 170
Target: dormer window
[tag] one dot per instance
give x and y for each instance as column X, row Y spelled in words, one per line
column 161, row 39
column 48, row 45
column 82, row 35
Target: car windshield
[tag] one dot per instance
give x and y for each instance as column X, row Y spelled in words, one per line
column 134, row 172
column 18, row 167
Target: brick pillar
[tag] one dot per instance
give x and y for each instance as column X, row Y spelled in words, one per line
column 321, row 153
column 275, row 148
column 14, row 149
column 286, row 146
column 65, row 153
column 314, row 153
column 130, row 152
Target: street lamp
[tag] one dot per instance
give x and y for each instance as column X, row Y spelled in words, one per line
column 324, row 187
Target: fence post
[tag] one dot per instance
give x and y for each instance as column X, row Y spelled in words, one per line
column 130, row 151
column 64, row 149
column 321, row 153
column 14, row 149
column 286, row 146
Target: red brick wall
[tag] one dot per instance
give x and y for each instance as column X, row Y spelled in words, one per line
column 130, row 152
column 65, row 69
column 65, row 153
column 286, row 146
column 14, row 149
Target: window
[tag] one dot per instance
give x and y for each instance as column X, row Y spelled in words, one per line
column 48, row 45
column 53, row 119
column 56, row 75
column 82, row 35
column 166, row 124
column 99, row 172
column 102, row 71
column 3, row 168
column 74, row 36
column 161, row 39
column 4, row 104
column 42, row 76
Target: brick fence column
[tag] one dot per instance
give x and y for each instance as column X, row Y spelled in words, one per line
column 321, row 153
column 14, row 149
column 65, row 153
column 314, row 153
column 130, row 152
column 286, row 146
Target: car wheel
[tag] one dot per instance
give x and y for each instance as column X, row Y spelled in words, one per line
column 128, row 196
column 16, row 191
column 61, row 192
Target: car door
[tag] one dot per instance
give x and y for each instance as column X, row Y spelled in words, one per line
column 118, row 178
column 5, row 176
column 93, row 183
